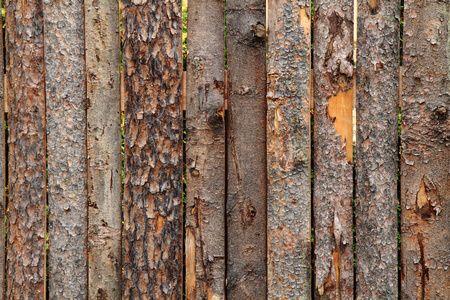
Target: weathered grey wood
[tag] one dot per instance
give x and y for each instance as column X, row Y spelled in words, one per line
column 104, row 148
column 333, row 149
column 65, row 85
column 377, row 87
column 25, row 265
column 425, row 164
column 288, row 150
column 246, row 150
column 205, row 152
column 152, row 54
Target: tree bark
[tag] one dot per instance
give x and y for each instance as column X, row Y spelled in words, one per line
column 152, row 54
column 3, row 170
column 288, row 150
column 376, row 149
column 425, row 160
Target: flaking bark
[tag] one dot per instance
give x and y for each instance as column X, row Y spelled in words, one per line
column 3, row 171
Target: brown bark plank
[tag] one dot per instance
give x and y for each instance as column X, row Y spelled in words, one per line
column 333, row 149
column 26, row 123
column 104, row 148
column 425, row 163
column 288, row 150
column 205, row 152
column 376, row 149
column 246, row 150
column 3, row 171
column 65, row 86
column 153, row 69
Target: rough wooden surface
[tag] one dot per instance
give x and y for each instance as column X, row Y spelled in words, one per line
column 65, row 86
column 205, row 152
column 376, row 149
column 26, row 123
column 104, row 149
column 3, row 171
column 425, row 164
column 333, row 149
column 246, row 150
column 152, row 57
column 288, row 150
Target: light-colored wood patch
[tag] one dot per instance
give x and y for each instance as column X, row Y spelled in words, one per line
column 422, row 197
column 190, row 264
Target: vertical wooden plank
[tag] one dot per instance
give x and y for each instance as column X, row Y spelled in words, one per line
column 246, row 152
column 205, row 152
column 425, row 164
column 288, row 150
column 333, row 149
column 65, row 86
column 104, row 148
column 26, row 123
column 153, row 150
column 3, row 171
column 376, row 149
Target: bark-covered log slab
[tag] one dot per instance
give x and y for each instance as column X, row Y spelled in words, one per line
column 333, row 149
column 104, row 148
column 377, row 71
column 425, row 164
column 3, row 171
column 152, row 54
column 205, row 152
column 246, row 150
column 26, row 214
column 288, row 150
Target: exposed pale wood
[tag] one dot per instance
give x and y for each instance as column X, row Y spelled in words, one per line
column 288, row 150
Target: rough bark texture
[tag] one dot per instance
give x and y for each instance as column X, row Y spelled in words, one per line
column 65, row 86
column 3, row 171
column 153, row 150
column 425, row 164
column 205, row 152
column 26, row 123
column 104, row 148
column 376, row 149
column 246, row 150
column 333, row 149
column 288, row 150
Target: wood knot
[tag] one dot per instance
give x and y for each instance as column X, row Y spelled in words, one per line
column 441, row 113
column 251, row 211
column 258, row 30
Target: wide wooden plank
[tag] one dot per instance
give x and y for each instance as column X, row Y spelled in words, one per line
column 333, row 149
column 3, row 171
column 425, row 164
column 288, row 150
column 205, row 151
column 152, row 54
column 104, row 148
column 377, row 84
column 65, row 85
column 26, row 124
column 246, row 150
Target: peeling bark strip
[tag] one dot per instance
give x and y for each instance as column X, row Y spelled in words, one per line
column 153, row 150
column 425, row 160
column 246, row 140
column 376, row 149
column 3, row 171
column 26, row 122
column 104, row 148
column 333, row 149
column 205, row 152
column 288, row 150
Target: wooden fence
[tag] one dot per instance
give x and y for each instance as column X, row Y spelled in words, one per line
column 245, row 177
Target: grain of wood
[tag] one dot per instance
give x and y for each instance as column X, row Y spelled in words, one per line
column 288, row 150
column 425, row 158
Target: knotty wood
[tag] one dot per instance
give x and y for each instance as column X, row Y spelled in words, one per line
column 376, row 149
column 425, row 163
column 288, row 150
column 152, row 54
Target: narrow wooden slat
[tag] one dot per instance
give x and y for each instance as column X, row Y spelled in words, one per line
column 377, row 86
column 425, row 163
column 288, row 150
column 205, row 151
column 152, row 54
column 3, row 171
column 246, row 150
column 333, row 149
column 65, row 86
column 26, row 213
column 104, row 148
